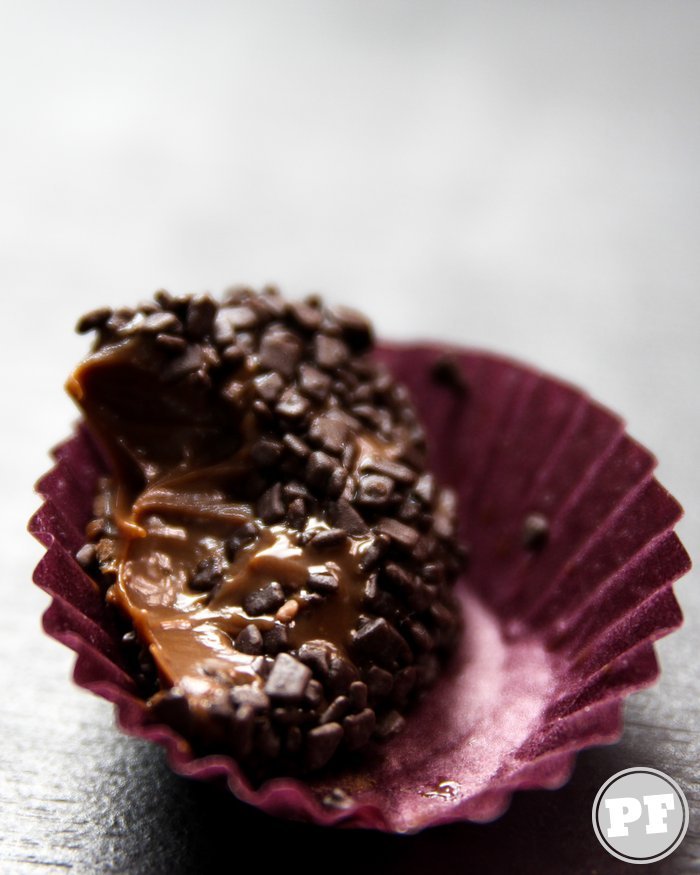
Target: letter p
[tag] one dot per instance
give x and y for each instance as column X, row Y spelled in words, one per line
column 622, row 811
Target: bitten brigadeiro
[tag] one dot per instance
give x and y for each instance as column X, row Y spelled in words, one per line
column 269, row 533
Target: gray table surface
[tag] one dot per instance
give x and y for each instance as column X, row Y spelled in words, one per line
column 516, row 176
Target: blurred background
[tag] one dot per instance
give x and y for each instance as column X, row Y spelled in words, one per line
column 518, row 176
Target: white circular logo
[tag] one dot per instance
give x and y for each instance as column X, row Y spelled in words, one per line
column 640, row 815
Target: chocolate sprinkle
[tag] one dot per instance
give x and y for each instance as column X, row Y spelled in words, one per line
column 249, row 640
column 314, row 383
column 92, row 320
column 265, row 600
column 243, row 535
column 345, row 517
column 446, row 371
column 319, row 469
column 330, row 352
column 207, row 574
column 323, row 583
column 270, row 505
column 275, row 639
column 378, row 640
column 269, row 386
column 535, row 531
column 329, row 539
column 321, row 744
column 359, row 728
column 401, row 534
column 288, row 679
column 86, row 555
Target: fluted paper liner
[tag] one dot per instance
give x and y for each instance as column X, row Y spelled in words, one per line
column 554, row 639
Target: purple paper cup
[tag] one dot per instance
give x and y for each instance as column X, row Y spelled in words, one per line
column 555, row 636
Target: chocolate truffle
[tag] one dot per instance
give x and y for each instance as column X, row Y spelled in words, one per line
column 269, row 531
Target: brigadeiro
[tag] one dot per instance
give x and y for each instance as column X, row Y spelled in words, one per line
column 270, row 529
column 257, row 544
